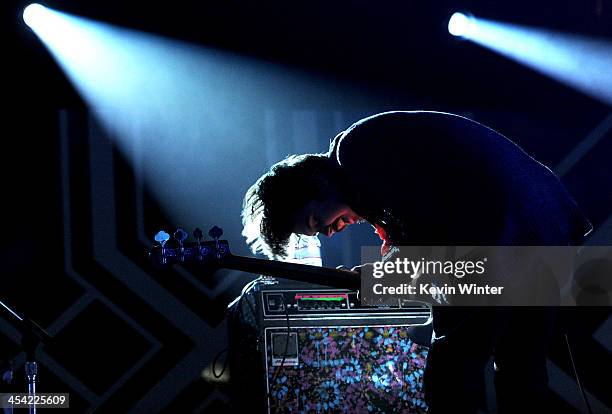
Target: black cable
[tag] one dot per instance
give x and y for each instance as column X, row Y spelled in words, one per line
column 238, row 301
column 236, row 313
column 277, row 370
column 245, row 290
column 584, row 396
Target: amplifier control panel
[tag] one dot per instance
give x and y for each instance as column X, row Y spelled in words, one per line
column 282, row 303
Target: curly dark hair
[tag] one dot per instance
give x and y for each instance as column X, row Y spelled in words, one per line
column 271, row 204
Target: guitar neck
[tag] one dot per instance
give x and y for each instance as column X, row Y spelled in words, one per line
column 336, row 278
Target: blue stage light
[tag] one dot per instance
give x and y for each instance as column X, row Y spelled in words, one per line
column 460, row 24
column 576, row 60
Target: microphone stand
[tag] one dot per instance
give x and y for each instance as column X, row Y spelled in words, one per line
column 32, row 334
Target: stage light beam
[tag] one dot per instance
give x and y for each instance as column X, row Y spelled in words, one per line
column 181, row 112
column 578, row 61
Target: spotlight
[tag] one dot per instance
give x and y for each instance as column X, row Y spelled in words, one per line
column 461, row 24
column 33, row 13
column 578, row 61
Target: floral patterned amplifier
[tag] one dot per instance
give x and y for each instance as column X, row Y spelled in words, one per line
column 348, row 370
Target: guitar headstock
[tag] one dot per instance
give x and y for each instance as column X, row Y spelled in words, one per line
column 177, row 249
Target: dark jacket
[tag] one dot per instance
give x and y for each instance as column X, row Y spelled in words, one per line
column 434, row 178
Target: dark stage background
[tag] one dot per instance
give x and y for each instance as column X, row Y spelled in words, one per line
column 79, row 210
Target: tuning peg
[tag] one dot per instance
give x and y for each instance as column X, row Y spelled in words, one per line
column 215, row 232
column 198, row 234
column 162, row 237
column 180, row 235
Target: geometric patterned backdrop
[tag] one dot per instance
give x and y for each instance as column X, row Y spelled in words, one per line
column 126, row 339
column 161, row 330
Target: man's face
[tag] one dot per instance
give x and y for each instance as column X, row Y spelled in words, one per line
column 325, row 217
